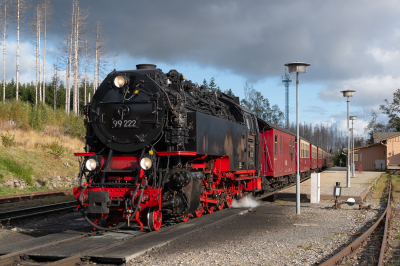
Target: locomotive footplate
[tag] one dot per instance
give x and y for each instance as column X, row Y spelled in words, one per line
column 98, row 202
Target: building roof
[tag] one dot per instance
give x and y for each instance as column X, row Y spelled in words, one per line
column 398, row 133
column 271, row 125
column 379, row 136
column 364, row 147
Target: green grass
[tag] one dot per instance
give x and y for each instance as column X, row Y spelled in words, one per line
column 12, row 166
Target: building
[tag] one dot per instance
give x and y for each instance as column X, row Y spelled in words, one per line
column 382, row 155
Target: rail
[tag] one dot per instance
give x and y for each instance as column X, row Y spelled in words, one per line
column 34, row 211
column 35, row 195
column 356, row 243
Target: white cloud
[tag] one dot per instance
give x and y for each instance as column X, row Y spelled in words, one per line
column 27, row 63
column 359, row 126
column 370, row 91
column 384, row 57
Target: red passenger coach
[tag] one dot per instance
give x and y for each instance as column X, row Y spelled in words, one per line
column 277, row 152
column 320, row 159
column 304, row 157
column 313, row 157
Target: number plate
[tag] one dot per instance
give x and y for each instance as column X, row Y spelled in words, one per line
column 123, row 123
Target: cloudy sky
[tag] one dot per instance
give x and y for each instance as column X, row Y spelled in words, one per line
column 349, row 44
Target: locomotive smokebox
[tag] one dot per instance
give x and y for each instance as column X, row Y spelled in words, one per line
column 146, row 66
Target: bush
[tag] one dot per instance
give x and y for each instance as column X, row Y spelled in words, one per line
column 27, row 116
column 7, row 139
column 74, row 127
column 56, row 148
column 16, row 168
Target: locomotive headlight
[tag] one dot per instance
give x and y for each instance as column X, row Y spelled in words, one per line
column 119, row 81
column 145, row 163
column 91, row 164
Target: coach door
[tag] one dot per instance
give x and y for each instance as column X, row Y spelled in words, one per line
column 251, row 143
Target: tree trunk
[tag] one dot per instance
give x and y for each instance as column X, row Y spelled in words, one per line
column 55, row 87
column 4, row 52
column 86, row 48
column 37, row 33
column 17, row 75
column 44, row 54
column 40, row 90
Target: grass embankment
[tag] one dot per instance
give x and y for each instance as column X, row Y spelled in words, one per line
column 379, row 191
column 37, row 144
column 396, row 188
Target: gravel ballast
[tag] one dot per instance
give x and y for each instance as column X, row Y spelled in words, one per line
column 270, row 234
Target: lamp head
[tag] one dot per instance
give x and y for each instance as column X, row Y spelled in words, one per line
column 297, row 67
column 348, row 93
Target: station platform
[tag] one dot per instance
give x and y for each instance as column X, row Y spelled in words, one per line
column 359, row 185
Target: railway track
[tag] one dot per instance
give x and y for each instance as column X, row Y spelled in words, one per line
column 35, row 195
column 371, row 248
column 25, row 257
column 6, row 217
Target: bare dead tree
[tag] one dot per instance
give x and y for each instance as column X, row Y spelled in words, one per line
column 55, row 84
column 67, row 76
column 47, row 11
column 22, row 6
column 115, row 60
column 78, row 27
column 39, row 22
column 5, row 26
column 36, row 30
column 85, row 78
column 101, row 55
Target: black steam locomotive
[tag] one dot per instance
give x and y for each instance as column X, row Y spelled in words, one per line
column 159, row 145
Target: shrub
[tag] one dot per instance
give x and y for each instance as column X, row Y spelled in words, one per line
column 24, row 172
column 7, row 139
column 74, row 127
column 56, row 148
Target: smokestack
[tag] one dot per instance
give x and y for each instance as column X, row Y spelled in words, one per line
column 145, row 66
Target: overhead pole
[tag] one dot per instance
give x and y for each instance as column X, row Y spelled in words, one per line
column 286, row 79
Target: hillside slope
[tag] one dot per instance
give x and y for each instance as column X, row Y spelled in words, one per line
column 37, row 160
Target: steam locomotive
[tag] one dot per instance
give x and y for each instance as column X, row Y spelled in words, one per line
column 158, row 145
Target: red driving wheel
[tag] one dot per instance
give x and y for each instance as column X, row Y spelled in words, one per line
column 220, row 205
column 154, row 219
column 229, row 202
column 185, row 218
column 198, row 213
column 210, row 209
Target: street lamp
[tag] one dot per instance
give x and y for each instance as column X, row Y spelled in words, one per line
column 348, row 94
column 297, row 67
column 352, row 118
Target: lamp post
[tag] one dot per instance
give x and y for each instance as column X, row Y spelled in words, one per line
column 352, row 118
column 297, row 67
column 348, row 94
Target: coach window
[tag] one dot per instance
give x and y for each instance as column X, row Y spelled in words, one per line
column 281, row 146
column 276, row 144
column 290, row 149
